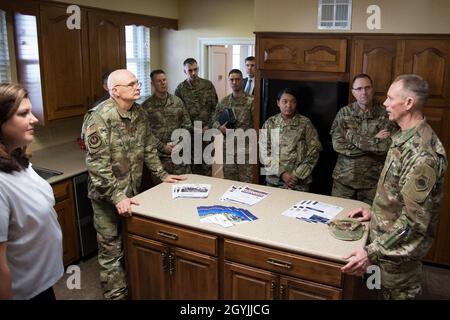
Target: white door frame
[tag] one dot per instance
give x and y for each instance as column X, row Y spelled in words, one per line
column 204, row 57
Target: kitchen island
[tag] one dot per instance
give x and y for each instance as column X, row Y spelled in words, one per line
column 170, row 254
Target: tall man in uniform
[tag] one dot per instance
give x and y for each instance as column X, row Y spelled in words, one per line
column 166, row 113
column 405, row 212
column 200, row 98
column 360, row 135
column 118, row 143
column 240, row 104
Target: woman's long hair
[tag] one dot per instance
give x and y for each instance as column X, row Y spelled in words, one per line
column 11, row 95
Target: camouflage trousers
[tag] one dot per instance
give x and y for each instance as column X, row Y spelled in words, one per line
column 203, row 168
column 110, row 250
column 172, row 168
column 238, row 172
column 278, row 183
column 401, row 281
column 343, row 191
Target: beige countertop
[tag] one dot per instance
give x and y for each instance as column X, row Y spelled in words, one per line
column 67, row 158
column 271, row 228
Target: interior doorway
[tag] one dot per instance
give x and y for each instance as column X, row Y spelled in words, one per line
column 223, row 58
column 217, row 57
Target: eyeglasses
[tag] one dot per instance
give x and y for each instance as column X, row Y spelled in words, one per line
column 133, row 84
column 366, row 88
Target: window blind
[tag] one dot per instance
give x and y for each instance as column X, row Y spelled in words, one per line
column 138, row 55
column 334, row 14
column 5, row 67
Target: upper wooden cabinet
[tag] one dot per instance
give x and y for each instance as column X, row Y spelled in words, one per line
column 106, row 48
column 431, row 60
column 379, row 59
column 64, row 64
column 297, row 54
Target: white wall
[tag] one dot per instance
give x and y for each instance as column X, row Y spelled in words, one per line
column 397, row 16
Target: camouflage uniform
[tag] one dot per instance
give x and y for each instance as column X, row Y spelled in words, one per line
column 360, row 155
column 406, row 209
column 200, row 101
column 118, row 143
column 242, row 108
column 299, row 149
column 165, row 116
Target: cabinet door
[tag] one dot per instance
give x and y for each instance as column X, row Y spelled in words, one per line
column 296, row 289
column 242, row 282
column 106, row 48
column 194, row 276
column 380, row 59
column 66, row 218
column 431, row 60
column 65, row 64
column 148, row 275
column 325, row 55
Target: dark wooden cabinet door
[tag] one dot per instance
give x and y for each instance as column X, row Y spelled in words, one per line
column 194, row 276
column 242, row 282
column 431, row 60
column 380, row 59
column 65, row 210
column 296, row 289
column 65, row 66
column 148, row 275
column 106, row 48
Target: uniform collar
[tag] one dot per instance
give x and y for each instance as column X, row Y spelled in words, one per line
column 369, row 114
column 400, row 137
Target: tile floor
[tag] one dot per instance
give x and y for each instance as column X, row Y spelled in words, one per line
column 436, row 283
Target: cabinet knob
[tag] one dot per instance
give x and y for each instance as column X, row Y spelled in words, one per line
column 273, row 287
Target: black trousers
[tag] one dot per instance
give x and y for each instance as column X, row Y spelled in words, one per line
column 48, row 294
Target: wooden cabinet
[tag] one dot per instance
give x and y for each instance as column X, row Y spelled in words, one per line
column 106, row 48
column 169, row 262
column 64, row 64
column 327, row 55
column 165, row 261
column 73, row 61
column 65, row 209
column 256, row 272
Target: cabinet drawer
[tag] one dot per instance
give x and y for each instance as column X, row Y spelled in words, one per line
column 282, row 262
column 166, row 233
column 61, row 190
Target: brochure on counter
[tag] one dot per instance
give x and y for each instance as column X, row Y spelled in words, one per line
column 313, row 211
column 244, row 195
column 190, row 191
column 224, row 216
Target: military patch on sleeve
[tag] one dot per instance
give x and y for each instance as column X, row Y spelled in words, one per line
column 420, row 183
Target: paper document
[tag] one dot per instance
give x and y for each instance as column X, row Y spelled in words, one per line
column 313, row 211
column 244, row 195
column 190, row 191
column 224, row 216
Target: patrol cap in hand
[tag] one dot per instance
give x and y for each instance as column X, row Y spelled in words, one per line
column 346, row 229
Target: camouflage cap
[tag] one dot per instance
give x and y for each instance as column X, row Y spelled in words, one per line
column 346, row 229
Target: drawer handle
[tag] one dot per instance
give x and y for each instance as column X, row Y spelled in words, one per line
column 279, row 263
column 168, row 235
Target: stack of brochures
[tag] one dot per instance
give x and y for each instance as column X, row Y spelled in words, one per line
column 224, row 216
column 244, row 195
column 190, row 191
column 313, row 211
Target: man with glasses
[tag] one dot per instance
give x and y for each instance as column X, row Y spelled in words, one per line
column 361, row 137
column 200, row 98
column 118, row 142
column 166, row 113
